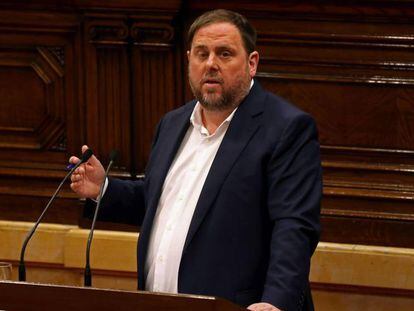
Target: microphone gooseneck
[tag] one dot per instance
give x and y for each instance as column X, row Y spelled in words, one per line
column 22, row 268
column 88, row 273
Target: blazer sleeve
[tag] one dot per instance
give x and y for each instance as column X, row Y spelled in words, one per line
column 123, row 202
column 294, row 183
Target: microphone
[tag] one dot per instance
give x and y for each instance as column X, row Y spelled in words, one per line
column 22, row 268
column 87, row 279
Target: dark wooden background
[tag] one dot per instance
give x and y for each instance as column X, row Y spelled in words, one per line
column 104, row 72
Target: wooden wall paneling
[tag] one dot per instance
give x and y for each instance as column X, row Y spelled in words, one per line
column 157, row 75
column 39, row 125
column 383, row 9
column 75, row 91
column 347, row 297
column 356, row 80
column 126, row 94
column 90, row 4
column 36, row 93
column 107, row 89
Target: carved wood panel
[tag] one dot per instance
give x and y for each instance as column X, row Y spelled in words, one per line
column 38, row 125
column 126, row 94
column 38, row 105
column 108, row 89
column 83, row 84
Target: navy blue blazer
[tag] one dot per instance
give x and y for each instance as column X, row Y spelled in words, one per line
column 256, row 223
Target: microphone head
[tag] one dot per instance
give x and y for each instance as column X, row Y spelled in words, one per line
column 113, row 155
column 86, row 155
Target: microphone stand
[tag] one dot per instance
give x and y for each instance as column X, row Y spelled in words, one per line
column 87, row 279
column 22, row 268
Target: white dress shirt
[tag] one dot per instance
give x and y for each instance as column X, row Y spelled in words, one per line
column 180, row 193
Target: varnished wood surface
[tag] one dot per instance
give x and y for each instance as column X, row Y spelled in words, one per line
column 363, row 290
column 16, row 296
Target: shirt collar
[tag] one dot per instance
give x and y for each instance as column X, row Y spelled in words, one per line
column 197, row 121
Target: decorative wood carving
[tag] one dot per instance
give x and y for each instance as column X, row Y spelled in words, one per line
column 38, row 107
column 108, row 93
column 152, row 35
column 61, row 144
column 59, row 54
column 108, row 32
column 40, row 124
column 121, row 83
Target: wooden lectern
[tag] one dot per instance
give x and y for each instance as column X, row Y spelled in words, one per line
column 19, row 296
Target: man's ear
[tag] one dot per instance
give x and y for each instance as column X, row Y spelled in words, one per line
column 253, row 63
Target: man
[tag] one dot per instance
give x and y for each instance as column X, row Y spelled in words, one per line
column 230, row 201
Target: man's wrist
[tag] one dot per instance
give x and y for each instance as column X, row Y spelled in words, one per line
column 103, row 191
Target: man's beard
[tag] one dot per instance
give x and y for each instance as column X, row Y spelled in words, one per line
column 230, row 97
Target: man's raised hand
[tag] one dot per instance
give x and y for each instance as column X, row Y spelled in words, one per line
column 88, row 177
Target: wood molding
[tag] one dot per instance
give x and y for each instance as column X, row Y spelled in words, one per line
column 107, row 32
column 152, row 35
column 363, row 290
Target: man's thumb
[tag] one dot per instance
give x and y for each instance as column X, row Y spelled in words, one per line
column 92, row 160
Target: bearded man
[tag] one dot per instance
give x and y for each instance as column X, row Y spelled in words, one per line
column 230, row 201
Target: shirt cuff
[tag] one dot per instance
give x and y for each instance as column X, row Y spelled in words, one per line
column 103, row 191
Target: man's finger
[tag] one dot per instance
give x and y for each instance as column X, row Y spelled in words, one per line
column 93, row 161
column 73, row 160
column 262, row 306
column 84, row 148
column 74, row 178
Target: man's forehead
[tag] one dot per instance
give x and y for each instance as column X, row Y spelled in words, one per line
column 220, row 31
column 215, row 46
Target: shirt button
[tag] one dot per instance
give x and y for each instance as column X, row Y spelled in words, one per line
column 160, row 258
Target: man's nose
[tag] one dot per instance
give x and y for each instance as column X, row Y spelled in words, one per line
column 212, row 62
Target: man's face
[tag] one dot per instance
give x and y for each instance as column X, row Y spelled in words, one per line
column 219, row 68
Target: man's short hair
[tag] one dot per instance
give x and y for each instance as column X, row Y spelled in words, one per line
column 247, row 32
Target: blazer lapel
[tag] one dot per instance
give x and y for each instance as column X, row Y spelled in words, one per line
column 244, row 124
column 174, row 129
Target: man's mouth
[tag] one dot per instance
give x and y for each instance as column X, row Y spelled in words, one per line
column 211, row 82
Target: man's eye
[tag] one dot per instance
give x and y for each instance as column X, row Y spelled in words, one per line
column 226, row 54
column 202, row 55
